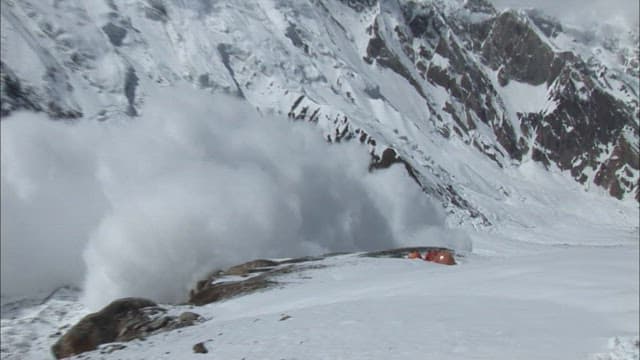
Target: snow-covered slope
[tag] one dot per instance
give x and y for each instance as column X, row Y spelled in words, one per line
column 421, row 77
column 543, row 303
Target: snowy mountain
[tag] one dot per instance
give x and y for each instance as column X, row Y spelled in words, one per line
column 148, row 144
column 420, row 77
column 513, row 308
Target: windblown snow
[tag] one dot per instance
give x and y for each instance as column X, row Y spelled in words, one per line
column 196, row 183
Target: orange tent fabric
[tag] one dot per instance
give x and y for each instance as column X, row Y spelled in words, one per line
column 440, row 256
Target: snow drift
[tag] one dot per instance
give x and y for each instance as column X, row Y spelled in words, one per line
column 195, row 183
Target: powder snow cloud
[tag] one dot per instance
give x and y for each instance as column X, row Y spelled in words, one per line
column 582, row 13
column 146, row 206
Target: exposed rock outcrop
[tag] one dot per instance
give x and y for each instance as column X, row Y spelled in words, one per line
column 585, row 117
column 255, row 275
column 515, row 48
column 199, row 348
column 122, row 320
column 136, row 318
column 14, row 95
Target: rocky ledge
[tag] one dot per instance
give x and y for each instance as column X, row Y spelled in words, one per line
column 136, row 318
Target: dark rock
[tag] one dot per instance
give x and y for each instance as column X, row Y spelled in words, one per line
column 377, row 50
column 424, row 22
column 359, row 5
column 480, row 6
column 472, row 96
column 130, row 85
column 388, row 158
column 584, row 121
column 225, row 55
column 122, row 320
column 203, row 81
column 506, row 136
column 158, row 323
column 225, row 290
column 100, row 328
column 514, row 45
column 115, row 33
column 609, row 174
column 156, row 11
column 293, row 34
column 199, row 348
column 503, row 77
column 539, row 156
column 14, row 95
column 248, row 267
column 263, row 274
column 373, row 92
column 58, row 112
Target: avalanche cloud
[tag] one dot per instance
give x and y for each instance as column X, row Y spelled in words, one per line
column 144, row 206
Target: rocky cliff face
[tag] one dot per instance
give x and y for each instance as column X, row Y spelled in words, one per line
column 420, row 78
column 589, row 122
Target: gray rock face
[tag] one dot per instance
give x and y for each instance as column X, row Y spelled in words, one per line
column 115, row 33
column 578, row 133
column 378, row 51
column 615, row 174
column 13, row 95
column 515, row 48
column 586, row 121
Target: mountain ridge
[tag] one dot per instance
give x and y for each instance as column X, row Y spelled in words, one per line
column 403, row 75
